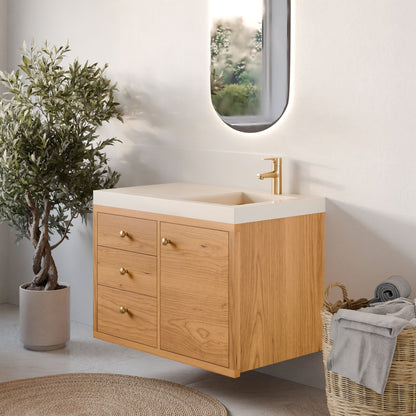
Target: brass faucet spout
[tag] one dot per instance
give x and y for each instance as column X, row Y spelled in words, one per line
column 265, row 175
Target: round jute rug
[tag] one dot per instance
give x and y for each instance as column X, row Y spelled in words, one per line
column 103, row 395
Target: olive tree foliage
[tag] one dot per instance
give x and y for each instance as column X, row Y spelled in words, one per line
column 51, row 157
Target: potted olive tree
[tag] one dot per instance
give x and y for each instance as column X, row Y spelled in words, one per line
column 51, row 160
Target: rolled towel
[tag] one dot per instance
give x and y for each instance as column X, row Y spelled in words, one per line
column 392, row 288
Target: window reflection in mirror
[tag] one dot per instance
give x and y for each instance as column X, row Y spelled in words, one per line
column 249, row 61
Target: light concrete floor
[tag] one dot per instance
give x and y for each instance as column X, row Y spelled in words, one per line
column 253, row 394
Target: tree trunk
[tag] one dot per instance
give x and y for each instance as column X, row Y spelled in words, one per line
column 48, row 274
column 44, row 268
column 52, row 283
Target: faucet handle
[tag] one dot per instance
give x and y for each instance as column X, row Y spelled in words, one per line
column 277, row 162
column 274, row 159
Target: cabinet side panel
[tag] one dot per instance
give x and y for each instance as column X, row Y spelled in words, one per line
column 282, row 283
column 95, row 270
column 234, row 299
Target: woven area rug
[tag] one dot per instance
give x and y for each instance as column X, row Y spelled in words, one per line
column 103, row 395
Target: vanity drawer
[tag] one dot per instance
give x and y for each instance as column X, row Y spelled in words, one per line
column 127, row 233
column 137, row 323
column 127, row 270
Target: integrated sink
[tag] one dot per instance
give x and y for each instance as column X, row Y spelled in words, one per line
column 238, row 198
column 212, row 203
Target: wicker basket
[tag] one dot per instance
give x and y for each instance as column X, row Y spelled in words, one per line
column 346, row 398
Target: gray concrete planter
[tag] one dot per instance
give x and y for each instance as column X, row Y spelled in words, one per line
column 44, row 318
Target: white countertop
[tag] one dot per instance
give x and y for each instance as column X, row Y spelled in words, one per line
column 207, row 202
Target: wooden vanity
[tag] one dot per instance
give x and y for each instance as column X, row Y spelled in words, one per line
column 223, row 297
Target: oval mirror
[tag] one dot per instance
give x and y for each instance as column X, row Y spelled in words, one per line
column 250, row 61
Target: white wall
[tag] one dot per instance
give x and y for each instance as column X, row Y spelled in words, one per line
column 3, row 35
column 4, row 234
column 348, row 132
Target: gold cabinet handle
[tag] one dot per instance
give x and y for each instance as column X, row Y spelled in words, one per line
column 123, row 233
column 123, row 309
column 165, row 241
column 123, row 270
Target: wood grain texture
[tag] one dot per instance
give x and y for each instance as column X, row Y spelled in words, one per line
column 141, row 269
column 282, row 285
column 169, row 355
column 194, row 293
column 138, row 324
column 234, row 300
column 228, row 298
column 165, row 218
column 141, row 237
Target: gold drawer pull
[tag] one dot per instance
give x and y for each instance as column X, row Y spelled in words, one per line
column 123, row 309
column 123, row 270
column 165, row 241
column 123, row 233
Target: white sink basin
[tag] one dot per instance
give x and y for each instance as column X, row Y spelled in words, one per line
column 238, row 198
column 207, row 202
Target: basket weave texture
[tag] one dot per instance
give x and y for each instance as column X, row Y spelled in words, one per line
column 346, row 398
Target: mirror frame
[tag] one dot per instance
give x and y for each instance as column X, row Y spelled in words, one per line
column 272, row 62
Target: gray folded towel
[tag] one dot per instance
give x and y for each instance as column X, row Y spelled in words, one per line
column 400, row 308
column 364, row 344
column 392, row 288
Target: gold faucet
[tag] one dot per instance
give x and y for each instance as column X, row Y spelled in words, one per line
column 275, row 174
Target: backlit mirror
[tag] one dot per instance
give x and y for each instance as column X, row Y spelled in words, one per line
column 250, row 61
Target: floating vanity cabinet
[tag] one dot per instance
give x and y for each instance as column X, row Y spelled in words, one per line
column 226, row 294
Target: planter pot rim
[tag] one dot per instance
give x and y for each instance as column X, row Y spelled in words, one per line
column 64, row 285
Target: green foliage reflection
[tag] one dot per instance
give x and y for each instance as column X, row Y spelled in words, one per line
column 236, row 68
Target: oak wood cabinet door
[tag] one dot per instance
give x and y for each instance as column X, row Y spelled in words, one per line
column 194, row 292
